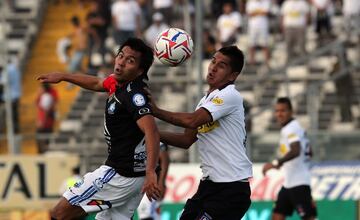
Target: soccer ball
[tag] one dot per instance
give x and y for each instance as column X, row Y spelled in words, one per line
column 173, row 46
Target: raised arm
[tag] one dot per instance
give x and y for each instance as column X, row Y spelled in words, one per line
column 85, row 81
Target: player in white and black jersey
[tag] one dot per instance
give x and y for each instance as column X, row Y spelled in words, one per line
column 218, row 126
column 295, row 152
column 116, row 188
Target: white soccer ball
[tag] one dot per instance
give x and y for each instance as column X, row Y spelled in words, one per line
column 173, row 46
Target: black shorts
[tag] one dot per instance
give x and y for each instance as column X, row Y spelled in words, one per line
column 218, row 201
column 297, row 198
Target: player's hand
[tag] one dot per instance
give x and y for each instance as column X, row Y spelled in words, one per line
column 266, row 168
column 151, row 187
column 54, row 77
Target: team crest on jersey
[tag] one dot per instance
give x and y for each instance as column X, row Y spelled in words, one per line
column 217, row 101
column 111, row 108
column 138, row 99
column 205, row 128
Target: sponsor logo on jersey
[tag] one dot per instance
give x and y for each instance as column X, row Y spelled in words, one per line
column 128, row 88
column 138, row 99
column 79, row 183
column 111, row 108
column 144, row 111
column 217, row 101
column 283, row 149
column 205, row 216
column 208, row 127
column 292, row 136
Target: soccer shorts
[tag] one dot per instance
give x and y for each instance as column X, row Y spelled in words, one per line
column 296, row 198
column 214, row 201
column 149, row 210
column 105, row 191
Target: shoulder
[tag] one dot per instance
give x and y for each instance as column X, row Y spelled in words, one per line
column 230, row 94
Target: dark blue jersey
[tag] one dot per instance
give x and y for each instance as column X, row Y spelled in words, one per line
column 125, row 105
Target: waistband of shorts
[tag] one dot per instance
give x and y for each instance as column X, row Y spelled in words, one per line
column 207, row 178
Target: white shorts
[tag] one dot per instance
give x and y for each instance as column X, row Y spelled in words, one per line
column 106, row 192
column 258, row 37
column 149, row 209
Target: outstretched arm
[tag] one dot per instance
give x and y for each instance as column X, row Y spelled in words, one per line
column 85, row 81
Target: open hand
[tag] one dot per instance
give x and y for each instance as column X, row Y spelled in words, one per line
column 151, row 187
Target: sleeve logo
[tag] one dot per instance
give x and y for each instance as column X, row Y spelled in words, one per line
column 217, row 101
column 138, row 99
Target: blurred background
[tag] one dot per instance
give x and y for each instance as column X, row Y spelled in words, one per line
column 47, row 130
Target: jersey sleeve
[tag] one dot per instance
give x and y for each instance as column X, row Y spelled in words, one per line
column 110, row 84
column 291, row 135
column 137, row 103
column 221, row 105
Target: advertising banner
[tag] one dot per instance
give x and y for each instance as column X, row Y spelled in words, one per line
column 33, row 182
column 329, row 181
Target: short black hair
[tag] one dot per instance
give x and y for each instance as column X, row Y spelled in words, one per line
column 236, row 57
column 147, row 54
column 285, row 100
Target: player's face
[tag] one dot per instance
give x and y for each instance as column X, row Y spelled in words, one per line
column 127, row 65
column 282, row 113
column 219, row 71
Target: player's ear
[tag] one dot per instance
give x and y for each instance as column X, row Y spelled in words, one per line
column 234, row 75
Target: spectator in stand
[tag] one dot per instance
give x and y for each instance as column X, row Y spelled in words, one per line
column 126, row 20
column 216, row 6
column 209, row 43
column 79, row 38
column 14, row 82
column 155, row 28
column 258, row 27
column 295, row 18
column 46, row 111
column 145, row 7
column 351, row 12
column 165, row 8
column 228, row 25
column 97, row 24
column 324, row 11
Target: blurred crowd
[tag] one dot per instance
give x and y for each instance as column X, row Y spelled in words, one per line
column 263, row 22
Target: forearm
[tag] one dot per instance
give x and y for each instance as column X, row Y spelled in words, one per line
column 184, row 120
column 289, row 156
column 152, row 141
column 85, row 81
column 179, row 140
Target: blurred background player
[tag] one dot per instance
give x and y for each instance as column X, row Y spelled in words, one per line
column 151, row 210
column 295, row 152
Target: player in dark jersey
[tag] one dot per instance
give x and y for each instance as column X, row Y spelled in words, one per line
column 116, row 188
